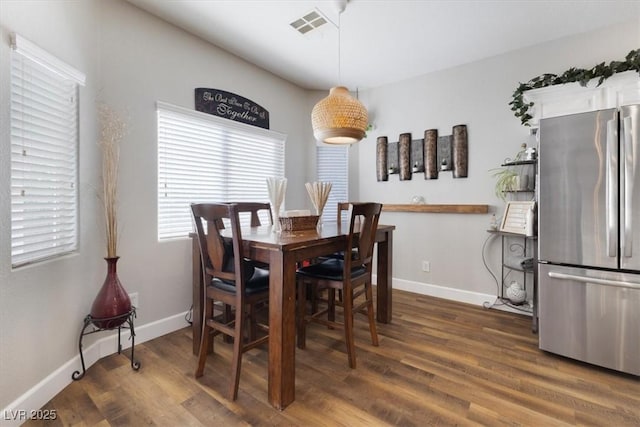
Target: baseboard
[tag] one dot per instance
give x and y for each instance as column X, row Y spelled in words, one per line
column 438, row 291
column 24, row 406
column 475, row 298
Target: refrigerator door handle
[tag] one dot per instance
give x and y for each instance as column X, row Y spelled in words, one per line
column 627, row 155
column 604, row 282
column 611, row 194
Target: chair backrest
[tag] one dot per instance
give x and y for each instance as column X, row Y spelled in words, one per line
column 363, row 224
column 254, row 208
column 219, row 258
column 342, row 207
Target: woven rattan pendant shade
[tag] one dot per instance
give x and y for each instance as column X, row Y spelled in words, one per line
column 339, row 118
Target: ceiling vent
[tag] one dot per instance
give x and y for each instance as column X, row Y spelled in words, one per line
column 309, row 22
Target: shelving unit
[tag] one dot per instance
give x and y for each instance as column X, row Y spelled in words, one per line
column 517, row 247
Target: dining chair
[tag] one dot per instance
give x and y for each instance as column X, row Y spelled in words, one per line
column 254, row 209
column 351, row 275
column 342, row 207
column 316, row 291
column 231, row 279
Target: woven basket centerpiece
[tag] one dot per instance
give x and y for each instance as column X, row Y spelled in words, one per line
column 299, row 223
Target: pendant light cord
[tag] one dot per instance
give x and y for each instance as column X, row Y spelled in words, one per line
column 339, row 49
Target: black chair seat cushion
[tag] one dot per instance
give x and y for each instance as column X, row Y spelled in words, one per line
column 340, row 255
column 330, row 269
column 248, row 264
column 258, row 282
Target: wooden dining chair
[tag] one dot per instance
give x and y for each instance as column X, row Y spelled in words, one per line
column 255, row 209
column 351, row 275
column 231, row 279
column 317, row 291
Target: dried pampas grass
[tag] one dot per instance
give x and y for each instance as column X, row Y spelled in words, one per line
column 112, row 131
column 319, row 194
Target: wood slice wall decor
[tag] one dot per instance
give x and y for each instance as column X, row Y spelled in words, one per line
column 460, row 151
column 404, row 151
column 433, row 154
column 382, row 171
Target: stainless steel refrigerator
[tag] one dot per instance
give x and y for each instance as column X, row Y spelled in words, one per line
column 589, row 237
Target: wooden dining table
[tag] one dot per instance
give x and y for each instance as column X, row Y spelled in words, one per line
column 283, row 251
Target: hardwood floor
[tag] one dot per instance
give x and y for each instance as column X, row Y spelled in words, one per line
column 438, row 363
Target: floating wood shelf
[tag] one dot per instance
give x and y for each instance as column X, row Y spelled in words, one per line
column 463, row 209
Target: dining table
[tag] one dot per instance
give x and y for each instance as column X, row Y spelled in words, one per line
column 283, row 251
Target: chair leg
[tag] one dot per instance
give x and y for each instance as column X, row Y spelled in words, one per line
column 253, row 323
column 227, row 318
column 237, row 352
column 371, row 315
column 331, row 301
column 300, row 318
column 347, row 302
column 314, row 297
column 204, row 339
column 202, row 354
column 212, row 314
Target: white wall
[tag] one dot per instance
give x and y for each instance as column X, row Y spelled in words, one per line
column 42, row 306
column 477, row 95
column 155, row 61
column 131, row 60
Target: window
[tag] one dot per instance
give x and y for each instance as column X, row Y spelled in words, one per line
column 44, row 154
column 333, row 166
column 204, row 158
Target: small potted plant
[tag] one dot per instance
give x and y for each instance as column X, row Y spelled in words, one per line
column 506, row 180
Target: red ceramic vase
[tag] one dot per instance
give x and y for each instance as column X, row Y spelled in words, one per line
column 112, row 304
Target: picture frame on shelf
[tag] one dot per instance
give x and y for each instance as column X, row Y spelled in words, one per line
column 516, row 217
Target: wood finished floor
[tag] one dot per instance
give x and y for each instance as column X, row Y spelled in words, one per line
column 438, row 363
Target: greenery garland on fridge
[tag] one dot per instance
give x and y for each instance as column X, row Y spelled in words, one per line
column 601, row 71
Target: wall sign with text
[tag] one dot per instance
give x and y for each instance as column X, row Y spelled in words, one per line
column 231, row 106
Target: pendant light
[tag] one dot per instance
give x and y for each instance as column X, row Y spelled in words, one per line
column 339, row 118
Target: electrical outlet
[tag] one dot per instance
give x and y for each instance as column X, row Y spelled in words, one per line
column 426, row 266
column 134, row 299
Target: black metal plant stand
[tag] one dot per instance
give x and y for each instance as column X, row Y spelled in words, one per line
column 135, row 365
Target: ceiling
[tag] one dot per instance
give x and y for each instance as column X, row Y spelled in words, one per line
column 382, row 41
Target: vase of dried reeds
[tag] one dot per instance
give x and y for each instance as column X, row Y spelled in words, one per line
column 112, row 305
column 319, row 194
column 277, row 188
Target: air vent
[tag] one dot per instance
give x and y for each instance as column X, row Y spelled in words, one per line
column 310, row 21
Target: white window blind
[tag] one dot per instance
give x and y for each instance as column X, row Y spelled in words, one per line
column 44, row 154
column 204, row 158
column 333, row 166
